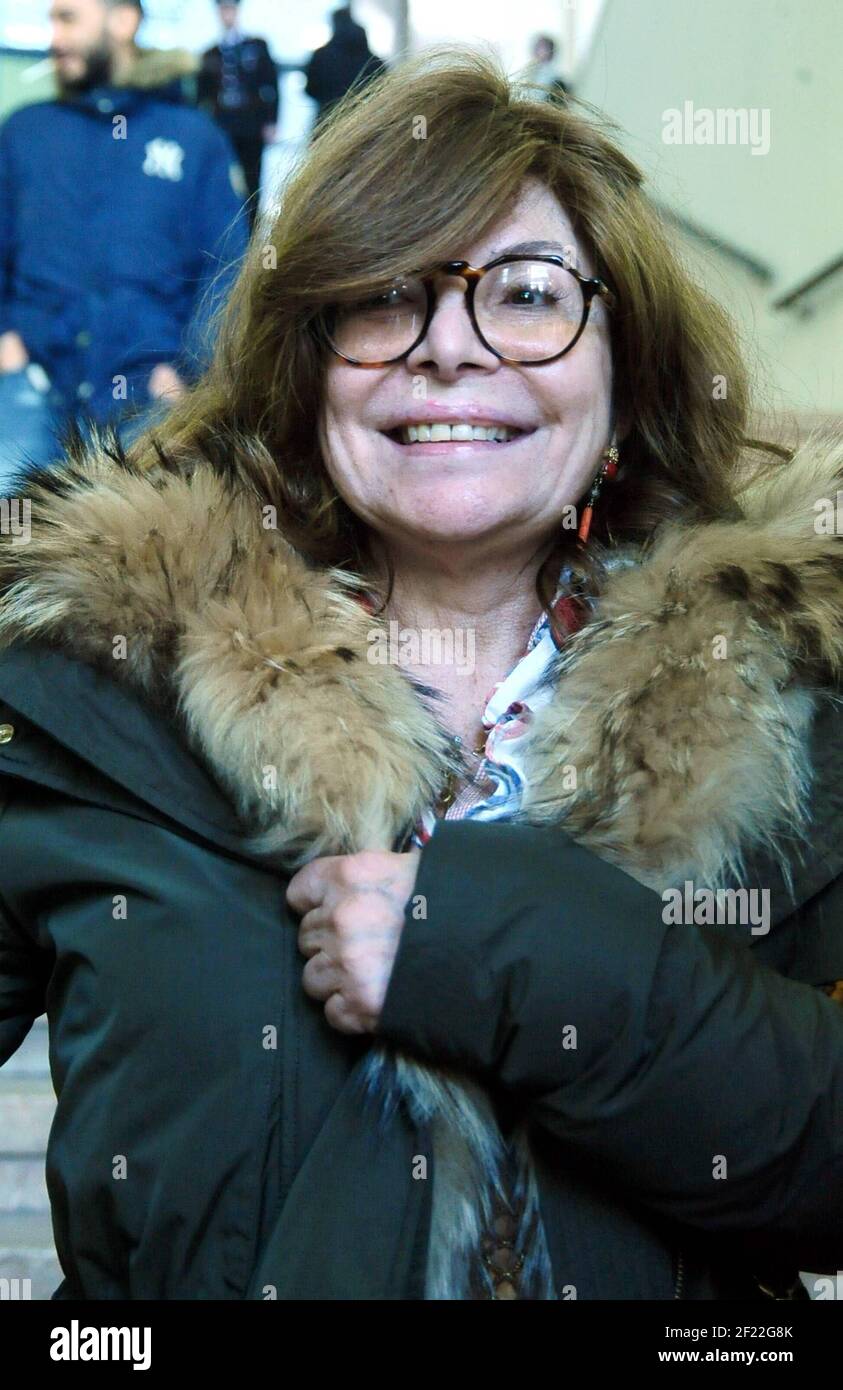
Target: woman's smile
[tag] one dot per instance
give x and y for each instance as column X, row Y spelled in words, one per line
column 458, row 441
column 460, row 431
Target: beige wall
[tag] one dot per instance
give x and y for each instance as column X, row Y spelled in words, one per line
column 783, row 208
column 796, row 355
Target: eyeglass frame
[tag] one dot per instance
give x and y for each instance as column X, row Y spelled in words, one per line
column 591, row 287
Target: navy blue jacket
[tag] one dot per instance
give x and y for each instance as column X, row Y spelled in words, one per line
column 111, row 233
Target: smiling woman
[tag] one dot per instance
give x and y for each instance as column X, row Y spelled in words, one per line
column 462, row 390
column 373, row 203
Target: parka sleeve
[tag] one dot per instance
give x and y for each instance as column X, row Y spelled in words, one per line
column 705, row 1084
column 23, row 977
column 22, row 985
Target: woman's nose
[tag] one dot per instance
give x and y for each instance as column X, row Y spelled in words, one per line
column 450, row 341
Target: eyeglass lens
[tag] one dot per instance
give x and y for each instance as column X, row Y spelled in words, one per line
column 525, row 310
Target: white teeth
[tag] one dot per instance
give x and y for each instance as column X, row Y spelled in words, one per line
column 436, row 432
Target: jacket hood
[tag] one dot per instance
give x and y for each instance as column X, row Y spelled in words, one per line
column 153, row 70
column 676, row 739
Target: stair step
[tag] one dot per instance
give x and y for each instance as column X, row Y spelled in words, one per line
column 25, row 1085
column 29, row 1266
column 38, row 1264
column 27, row 1252
column 23, row 1185
column 26, row 1230
column 32, row 1057
column 27, row 1106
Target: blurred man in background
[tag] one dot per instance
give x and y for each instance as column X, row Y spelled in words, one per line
column 238, row 86
column 543, row 68
column 121, row 224
column 338, row 64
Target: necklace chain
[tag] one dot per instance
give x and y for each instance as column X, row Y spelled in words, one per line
column 478, row 746
column 449, row 791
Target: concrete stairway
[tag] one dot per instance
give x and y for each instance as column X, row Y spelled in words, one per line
column 27, row 1104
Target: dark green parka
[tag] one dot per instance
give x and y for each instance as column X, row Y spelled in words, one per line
column 185, row 708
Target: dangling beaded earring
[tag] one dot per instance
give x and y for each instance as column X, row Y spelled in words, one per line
column 609, row 470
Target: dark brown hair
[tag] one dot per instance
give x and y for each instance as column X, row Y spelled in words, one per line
column 405, row 173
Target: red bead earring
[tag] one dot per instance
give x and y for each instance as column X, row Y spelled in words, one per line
column 609, row 470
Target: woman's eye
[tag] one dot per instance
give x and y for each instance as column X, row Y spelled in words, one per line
column 364, row 306
column 531, row 297
column 386, row 299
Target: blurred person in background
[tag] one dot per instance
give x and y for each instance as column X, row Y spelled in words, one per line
column 338, row 64
column 120, row 225
column 543, row 67
column 238, row 86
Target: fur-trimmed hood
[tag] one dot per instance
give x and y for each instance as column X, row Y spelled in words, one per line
column 158, row 67
column 682, row 704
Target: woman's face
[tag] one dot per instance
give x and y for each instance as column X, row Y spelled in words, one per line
column 477, row 495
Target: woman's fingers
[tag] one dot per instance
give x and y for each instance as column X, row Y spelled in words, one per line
column 352, row 915
column 345, row 1019
column 314, row 931
column 307, row 888
column 321, row 978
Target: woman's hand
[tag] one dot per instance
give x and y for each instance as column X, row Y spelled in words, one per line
column 353, row 913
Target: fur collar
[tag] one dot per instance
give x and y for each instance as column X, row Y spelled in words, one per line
column 682, row 708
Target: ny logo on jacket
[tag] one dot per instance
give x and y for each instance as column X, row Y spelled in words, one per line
column 164, row 159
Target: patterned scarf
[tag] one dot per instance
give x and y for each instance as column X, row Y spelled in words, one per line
column 495, row 791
